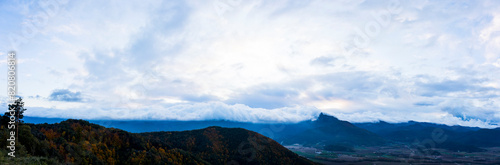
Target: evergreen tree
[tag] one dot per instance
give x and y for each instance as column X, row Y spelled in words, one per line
column 18, row 107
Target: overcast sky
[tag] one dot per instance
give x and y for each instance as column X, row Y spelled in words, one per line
column 257, row 61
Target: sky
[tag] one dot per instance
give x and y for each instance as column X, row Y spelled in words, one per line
column 256, row 61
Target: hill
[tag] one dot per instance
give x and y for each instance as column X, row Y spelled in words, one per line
column 80, row 142
column 221, row 145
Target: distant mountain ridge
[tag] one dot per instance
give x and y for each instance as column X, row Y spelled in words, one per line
column 455, row 137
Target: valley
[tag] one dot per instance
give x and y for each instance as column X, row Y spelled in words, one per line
column 397, row 154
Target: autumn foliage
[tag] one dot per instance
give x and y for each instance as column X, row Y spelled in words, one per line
column 80, row 142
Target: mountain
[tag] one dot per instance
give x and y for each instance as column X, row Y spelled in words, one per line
column 382, row 127
column 80, row 142
column 328, row 130
column 448, row 137
column 481, row 138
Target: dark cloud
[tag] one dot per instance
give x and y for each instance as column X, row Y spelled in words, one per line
column 65, row 95
column 423, row 104
column 199, row 98
column 457, row 111
column 434, row 87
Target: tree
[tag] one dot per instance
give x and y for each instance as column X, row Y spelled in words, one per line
column 17, row 109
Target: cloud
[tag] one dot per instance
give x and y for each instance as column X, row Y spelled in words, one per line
column 433, row 117
column 324, row 61
column 65, row 95
column 260, row 55
column 480, row 109
column 193, row 111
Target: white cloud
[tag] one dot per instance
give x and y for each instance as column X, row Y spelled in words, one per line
column 489, row 37
column 395, row 117
column 260, row 56
column 193, row 111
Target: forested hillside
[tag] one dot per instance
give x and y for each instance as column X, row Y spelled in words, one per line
column 80, row 142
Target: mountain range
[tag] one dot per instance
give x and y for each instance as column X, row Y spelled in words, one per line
column 324, row 130
column 219, row 142
column 462, row 138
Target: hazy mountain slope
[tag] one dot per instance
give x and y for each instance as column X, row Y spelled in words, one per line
column 382, row 127
column 452, row 137
column 481, row 138
column 330, row 130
